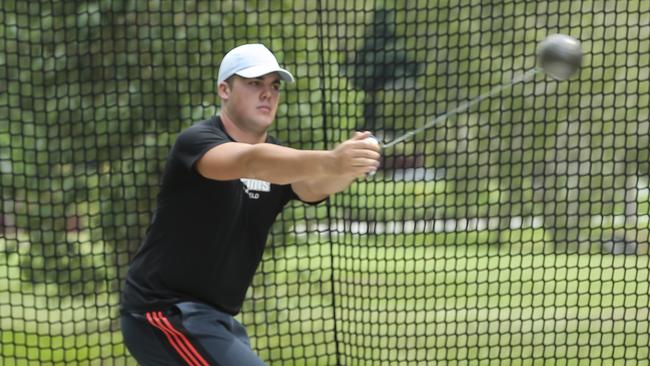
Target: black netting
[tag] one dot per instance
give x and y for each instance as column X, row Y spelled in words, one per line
column 512, row 233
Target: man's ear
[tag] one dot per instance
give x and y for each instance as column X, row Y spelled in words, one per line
column 223, row 90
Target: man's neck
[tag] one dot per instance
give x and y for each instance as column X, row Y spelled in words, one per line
column 240, row 134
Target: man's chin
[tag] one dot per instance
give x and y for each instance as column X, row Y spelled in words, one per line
column 264, row 124
column 266, row 119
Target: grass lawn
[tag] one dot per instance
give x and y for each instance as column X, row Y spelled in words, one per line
column 400, row 300
column 21, row 348
column 414, row 299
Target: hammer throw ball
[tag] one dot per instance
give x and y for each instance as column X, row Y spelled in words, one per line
column 560, row 56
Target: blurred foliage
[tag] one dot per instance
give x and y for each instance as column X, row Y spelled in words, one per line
column 383, row 62
column 93, row 93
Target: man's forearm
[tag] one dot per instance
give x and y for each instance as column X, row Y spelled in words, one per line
column 323, row 186
column 306, row 170
column 268, row 162
column 283, row 165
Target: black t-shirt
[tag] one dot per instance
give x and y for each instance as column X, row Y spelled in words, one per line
column 207, row 237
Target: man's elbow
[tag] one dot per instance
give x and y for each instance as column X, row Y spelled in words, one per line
column 308, row 192
column 313, row 198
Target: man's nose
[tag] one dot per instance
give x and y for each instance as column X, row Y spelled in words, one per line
column 267, row 91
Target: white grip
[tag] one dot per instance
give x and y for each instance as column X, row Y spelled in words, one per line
column 375, row 140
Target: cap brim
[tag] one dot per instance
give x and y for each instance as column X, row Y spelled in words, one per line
column 261, row 70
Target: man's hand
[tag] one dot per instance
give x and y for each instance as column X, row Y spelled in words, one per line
column 350, row 160
column 356, row 157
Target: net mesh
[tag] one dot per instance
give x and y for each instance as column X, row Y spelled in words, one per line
column 513, row 233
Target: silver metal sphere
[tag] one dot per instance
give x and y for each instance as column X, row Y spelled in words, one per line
column 560, row 56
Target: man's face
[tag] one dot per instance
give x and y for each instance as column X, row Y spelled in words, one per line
column 253, row 103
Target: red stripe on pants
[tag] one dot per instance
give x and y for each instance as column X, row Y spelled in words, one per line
column 179, row 342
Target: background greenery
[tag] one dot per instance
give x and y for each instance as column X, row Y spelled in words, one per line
column 517, row 233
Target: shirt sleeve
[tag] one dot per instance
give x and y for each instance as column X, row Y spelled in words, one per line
column 194, row 142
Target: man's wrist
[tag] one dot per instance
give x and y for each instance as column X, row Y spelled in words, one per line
column 329, row 165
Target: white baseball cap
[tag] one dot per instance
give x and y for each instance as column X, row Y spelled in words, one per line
column 251, row 61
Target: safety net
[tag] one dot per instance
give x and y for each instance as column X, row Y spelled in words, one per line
column 512, row 233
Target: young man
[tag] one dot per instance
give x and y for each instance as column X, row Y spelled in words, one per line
column 225, row 182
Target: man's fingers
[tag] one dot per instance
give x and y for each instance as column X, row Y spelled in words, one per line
column 365, row 162
column 365, row 144
column 359, row 135
column 364, row 155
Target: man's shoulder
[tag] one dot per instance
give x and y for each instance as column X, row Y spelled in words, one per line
column 204, row 128
column 210, row 124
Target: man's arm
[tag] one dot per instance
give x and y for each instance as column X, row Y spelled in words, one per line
column 317, row 189
column 301, row 168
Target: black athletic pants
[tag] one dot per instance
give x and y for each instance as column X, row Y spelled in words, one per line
column 188, row 333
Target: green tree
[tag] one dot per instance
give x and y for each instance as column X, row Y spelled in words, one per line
column 382, row 62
